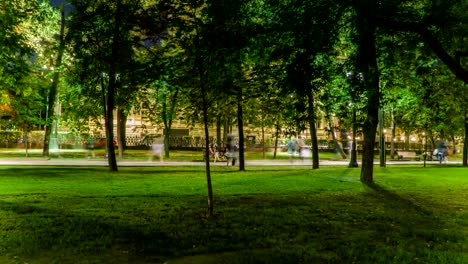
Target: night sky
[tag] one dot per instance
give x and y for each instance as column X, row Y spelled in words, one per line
column 57, row 3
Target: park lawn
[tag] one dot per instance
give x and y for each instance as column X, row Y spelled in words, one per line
column 264, row 215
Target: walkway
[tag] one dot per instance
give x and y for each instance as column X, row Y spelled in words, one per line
column 145, row 163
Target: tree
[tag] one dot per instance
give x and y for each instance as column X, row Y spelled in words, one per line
column 368, row 17
column 190, row 26
column 105, row 35
column 20, row 80
column 55, row 81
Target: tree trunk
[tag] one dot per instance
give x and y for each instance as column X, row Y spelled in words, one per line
column 381, row 138
column 465, row 144
column 167, row 129
column 367, row 64
column 109, row 109
column 240, row 125
column 392, row 141
column 313, row 131
column 407, row 138
column 263, row 136
column 109, row 124
column 276, row 139
column 121, row 131
column 207, row 145
column 201, row 75
column 218, row 131
column 168, row 116
column 26, row 143
column 353, row 159
column 454, row 144
column 225, row 131
column 53, row 88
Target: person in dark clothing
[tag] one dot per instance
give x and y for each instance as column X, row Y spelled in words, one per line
column 441, row 151
column 231, row 150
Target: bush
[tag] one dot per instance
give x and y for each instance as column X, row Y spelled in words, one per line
column 10, row 136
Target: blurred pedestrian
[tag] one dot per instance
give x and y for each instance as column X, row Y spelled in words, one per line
column 291, row 146
column 157, row 149
column 90, row 147
column 300, row 145
column 441, row 151
column 231, row 150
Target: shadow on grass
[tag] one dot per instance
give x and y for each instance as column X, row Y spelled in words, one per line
column 317, row 227
column 392, row 197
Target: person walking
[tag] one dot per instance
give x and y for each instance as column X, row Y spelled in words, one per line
column 231, row 150
column 90, row 148
column 300, row 147
column 441, row 151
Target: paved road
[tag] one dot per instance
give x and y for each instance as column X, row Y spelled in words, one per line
column 143, row 163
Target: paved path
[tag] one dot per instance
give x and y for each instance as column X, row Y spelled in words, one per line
column 144, row 163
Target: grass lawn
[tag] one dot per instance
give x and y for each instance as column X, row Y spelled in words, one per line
column 264, row 215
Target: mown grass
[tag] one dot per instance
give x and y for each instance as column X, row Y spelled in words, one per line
column 264, row 215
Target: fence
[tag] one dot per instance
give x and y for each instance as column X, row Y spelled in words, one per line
column 13, row 139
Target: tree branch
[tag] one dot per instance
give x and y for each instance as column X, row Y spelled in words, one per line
column 453, row 63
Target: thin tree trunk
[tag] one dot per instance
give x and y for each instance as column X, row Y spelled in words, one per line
column 353, row 159
column 168, row 117
column 313, row 131
column 454, row 144
column 201, row 73
column 263, row 136
column 407, row 138
column 225, row 130
column 367, row 64
column 276, row 139
column 207, row 145
column 381, row 138
column 26, row 143
column 240, row 125
column 53, row 88
column 465, row 144
column 392, row 141
column 121, row 131
column 167, row 129
column 218, row 131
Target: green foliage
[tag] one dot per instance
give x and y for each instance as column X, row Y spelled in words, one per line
column 13, row 51
column 273, row 53
column 10, row 136
column 21, row 81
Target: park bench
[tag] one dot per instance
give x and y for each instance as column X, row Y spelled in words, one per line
column 216, row 154
column 407, row 155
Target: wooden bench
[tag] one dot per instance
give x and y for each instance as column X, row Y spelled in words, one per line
column 407, row 155
column 216, row 153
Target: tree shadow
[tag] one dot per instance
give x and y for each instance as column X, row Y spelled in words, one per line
column 394, row 197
